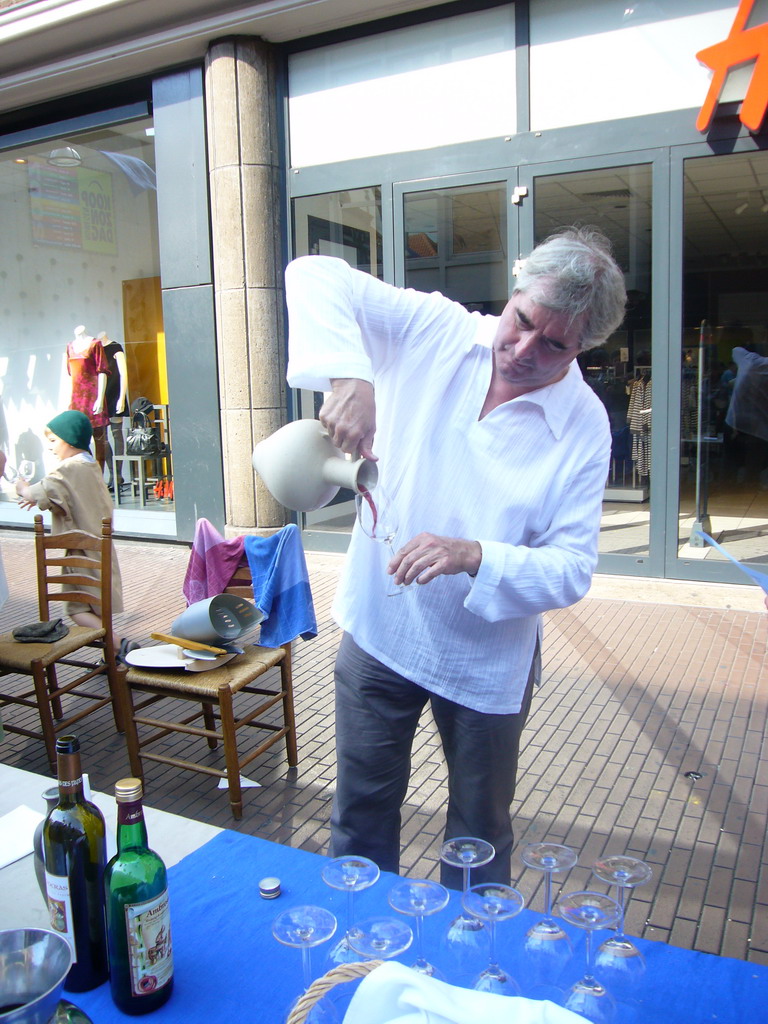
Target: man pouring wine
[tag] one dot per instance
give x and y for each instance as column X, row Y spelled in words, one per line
column 495, row 453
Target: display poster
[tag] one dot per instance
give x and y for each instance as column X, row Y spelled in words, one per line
column 72, row 208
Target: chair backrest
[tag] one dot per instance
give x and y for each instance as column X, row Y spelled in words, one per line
column 241, row 584
column 80, row 565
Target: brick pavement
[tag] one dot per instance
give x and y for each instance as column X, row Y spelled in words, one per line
column 636, row 694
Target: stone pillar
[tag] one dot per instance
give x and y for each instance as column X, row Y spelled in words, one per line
column 245, row 173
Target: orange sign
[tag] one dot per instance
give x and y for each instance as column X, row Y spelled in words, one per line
column 742, row 46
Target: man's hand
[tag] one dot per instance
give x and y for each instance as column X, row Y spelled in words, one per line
column 349, row 416
column 428, row 556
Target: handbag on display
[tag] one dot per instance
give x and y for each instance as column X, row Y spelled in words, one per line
column 142, row 438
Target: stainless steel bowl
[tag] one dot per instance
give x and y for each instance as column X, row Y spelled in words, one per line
column 33, row 965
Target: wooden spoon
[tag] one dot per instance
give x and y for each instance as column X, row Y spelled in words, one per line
column 192, row 645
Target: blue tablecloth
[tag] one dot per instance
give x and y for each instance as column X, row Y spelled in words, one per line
column 230, row 969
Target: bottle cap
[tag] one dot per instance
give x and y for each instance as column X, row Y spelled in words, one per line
column 67, row 744
column 269, row 888
column 128, row 790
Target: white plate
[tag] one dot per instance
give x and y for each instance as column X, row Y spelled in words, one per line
column 198, row 665
column 162, row 656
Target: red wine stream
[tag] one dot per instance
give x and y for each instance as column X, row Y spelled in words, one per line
column 366, row 494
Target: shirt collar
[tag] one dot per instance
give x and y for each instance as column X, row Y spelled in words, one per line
column 557, row 400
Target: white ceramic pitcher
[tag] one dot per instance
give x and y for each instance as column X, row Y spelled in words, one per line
column 304, row 471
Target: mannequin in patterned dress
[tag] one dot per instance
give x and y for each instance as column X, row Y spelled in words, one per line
column 88, row 368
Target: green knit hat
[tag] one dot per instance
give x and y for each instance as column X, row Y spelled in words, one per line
column 73, row 427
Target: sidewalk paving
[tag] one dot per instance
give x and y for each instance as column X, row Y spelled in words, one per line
column 644, row 682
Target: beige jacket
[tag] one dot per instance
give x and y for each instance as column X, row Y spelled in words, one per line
column 78, row 499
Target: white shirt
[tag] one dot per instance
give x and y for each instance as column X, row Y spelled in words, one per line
column 526, row 481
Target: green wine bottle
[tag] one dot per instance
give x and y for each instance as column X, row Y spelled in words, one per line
column 74, row 854
column 138, row 918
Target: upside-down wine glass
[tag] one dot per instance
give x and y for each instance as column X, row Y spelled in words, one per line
column 419, row 900
column 492, row 902
column 304, row 927
column 546, row 943
column 380, row 938
column 466, row 939
column 378, row 520
column 349, row 874
column 618, row 959
column 590, row 911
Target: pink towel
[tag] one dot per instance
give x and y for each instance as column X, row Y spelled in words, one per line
column 213, row 562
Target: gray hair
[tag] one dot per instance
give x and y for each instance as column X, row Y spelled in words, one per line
column 574, row 272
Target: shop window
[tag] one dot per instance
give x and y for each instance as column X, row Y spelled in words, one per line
column 80, row 264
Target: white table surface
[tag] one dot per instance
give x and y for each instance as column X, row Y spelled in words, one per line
column 21, row 902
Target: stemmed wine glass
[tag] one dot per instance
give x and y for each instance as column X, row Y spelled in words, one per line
column 590, row 911
column 379, row 938
column 304, row 927
column 618, row 958
column 466, row 937
column 492, row 902
column 378, row 520
column 546, row 942
column 419, row 899
column 348, row 874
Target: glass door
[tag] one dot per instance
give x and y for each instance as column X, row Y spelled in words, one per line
column 454, row 238
column 722, row 467
column 618, row 199
column 346, row 224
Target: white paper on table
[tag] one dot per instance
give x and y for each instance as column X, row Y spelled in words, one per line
column 394, row 994
column 17, row 829
column 245, row 783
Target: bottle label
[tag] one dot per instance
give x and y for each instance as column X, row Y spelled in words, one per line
column 60, row 908
column 129, row 813
column 148, row 927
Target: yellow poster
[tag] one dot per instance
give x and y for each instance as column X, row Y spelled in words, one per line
column 97, row 211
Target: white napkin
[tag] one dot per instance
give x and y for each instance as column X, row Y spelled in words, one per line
column 394, row 994
column 17, row 829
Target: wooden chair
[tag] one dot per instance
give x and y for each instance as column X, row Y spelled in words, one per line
column 216, row 691
column 69, row 561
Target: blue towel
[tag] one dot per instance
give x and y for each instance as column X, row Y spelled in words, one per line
column 281, row 586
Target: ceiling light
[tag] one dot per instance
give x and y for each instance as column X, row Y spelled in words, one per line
column 740, row 208
column 65, row 157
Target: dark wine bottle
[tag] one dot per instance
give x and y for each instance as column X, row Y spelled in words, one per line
column 138, row 917
column 74, row 854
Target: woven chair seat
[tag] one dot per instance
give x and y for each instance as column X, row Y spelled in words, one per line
column 16, row 656
column 236, row 674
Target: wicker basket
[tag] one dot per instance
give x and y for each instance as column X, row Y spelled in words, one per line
column 322, row 986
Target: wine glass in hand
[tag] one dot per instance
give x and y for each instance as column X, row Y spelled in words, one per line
column 378, row 520
column 26, row 469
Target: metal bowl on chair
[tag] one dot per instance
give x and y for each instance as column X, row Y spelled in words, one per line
column 220, row 618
